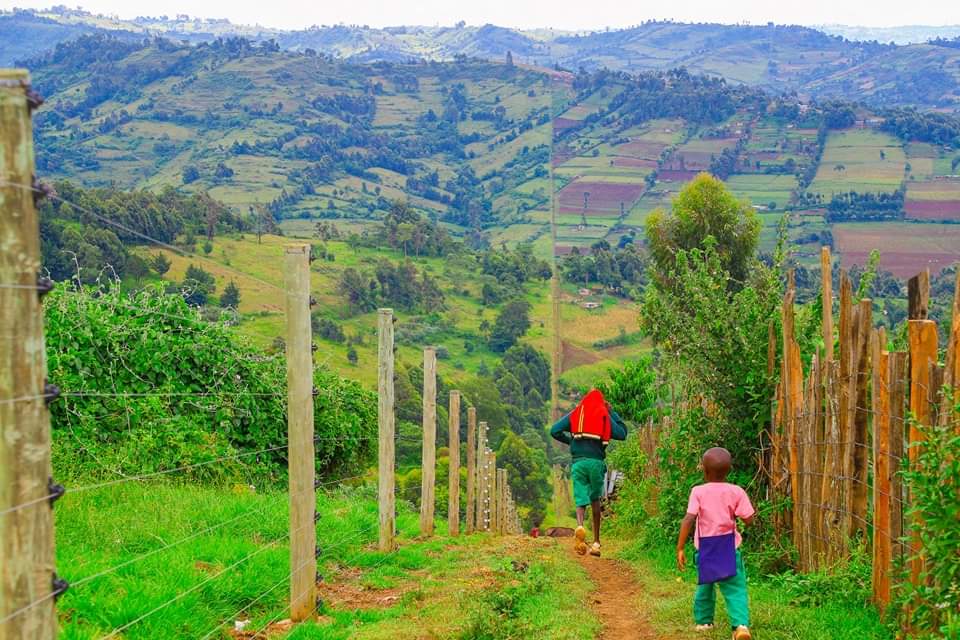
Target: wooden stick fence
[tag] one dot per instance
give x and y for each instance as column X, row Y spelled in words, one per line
column 840, row 433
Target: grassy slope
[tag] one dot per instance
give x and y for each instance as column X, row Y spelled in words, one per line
column 405, row 594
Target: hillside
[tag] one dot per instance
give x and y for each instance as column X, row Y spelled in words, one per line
column 775, row 57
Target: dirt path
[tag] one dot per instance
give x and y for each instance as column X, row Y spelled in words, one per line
column 618, row 600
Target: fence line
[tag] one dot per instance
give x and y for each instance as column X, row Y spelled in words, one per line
column 495, row 512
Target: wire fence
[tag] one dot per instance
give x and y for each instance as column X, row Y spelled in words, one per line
column 115, row 405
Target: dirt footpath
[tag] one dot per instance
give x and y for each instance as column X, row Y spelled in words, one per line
column 618, row 601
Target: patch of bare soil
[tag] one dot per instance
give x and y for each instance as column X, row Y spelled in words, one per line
column 617, row 602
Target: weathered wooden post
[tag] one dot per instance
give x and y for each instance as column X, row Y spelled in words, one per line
column 386, row 425
column 429, row 457
column 300, row 453
column 26, row 533
column 826, row 280
column 882, row 543
column 923, row 353
column 471, row 469
column 480, row 480
column 502, row 504
column 453, row 503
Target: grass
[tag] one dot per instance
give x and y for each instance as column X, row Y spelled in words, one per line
column 852, row 162
column 203, row 557
column 777, row 613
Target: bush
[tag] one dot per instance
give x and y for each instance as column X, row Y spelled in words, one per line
column 933, row 607
column 151, row 386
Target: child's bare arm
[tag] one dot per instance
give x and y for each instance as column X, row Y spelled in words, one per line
column 686, row 526
column 748, row 521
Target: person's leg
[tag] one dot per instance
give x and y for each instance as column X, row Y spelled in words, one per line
column 581, row 497
column 596, row 512
column 704, row 604
column 734, row 592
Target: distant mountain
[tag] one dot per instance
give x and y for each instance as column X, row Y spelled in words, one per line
column 777, row 58
column 913, row 34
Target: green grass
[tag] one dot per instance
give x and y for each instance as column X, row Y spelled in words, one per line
column 203, row 557
column 776, row 612
column 851, row 162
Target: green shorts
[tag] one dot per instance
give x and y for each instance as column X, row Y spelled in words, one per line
column 588, row 475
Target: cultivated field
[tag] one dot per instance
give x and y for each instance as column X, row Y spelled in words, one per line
column 860, row 160
column 905, row 248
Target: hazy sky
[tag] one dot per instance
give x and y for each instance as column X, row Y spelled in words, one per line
column 563, row 14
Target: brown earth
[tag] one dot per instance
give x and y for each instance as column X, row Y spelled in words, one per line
column 618, row 600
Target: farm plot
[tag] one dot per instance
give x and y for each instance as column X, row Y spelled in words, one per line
column 762, row 189
column 933, row 200
column 696, row 155
column 860, row 160
column 596, row 198
column 905, row 248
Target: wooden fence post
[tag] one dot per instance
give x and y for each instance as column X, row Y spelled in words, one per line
column 826, row 280
column 923, row 353
column 492, row 491
column 26, row 534
column 897, row 381
column 386, row 422
column 861, row 414
column 501, row 501
column 300, row 447
column 882, row 475
column 429, row 457
column 952, row 371
column 453, row 502
column 471, row 469
column 480, row 481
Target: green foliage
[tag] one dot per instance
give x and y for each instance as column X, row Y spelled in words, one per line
column 511, row 324
column 160, row 263
column 632, row 390
column 705, row 208
column 231, row 296
column 932, row 608
column 77, row 242
column 715, row 340
column 528, row 474
column 400, row 285
column 621, row 270
column 149, row 386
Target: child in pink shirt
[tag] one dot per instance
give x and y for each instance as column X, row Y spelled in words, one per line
column 714, row 508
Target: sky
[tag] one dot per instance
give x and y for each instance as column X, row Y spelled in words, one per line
column 526, row 14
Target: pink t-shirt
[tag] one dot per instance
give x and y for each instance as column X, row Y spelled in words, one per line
column 717, row 505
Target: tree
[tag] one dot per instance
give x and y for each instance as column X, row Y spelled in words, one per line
column 528, row 474
column 509, row 59
column 231, row 296
column 160, row 263
column 190, row 174
column 511, row 324
column 704, row 208
column 197, row 285
column 352, row 356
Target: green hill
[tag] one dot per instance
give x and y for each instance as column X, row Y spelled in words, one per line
column 775, row 57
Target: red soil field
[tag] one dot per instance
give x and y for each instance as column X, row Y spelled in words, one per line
column 604, row 199
column 574, row 356
column 903, row 265
column 561, row 124
column 932, row 209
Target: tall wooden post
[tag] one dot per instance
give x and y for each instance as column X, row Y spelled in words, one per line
column 471, row 468
column 923, row 353
column 386, row 424
column 826, row 279
column 503, row 502
column 481, row 467
column 882, row 475
column 300, row 455
column 26, row 534
column 453, row 503
column 429, row 457
column 492, row 492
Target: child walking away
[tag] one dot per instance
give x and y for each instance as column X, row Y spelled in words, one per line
column 712, row 512
column 588, row 430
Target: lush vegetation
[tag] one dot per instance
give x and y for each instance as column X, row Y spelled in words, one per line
column 150, row 386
